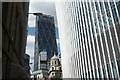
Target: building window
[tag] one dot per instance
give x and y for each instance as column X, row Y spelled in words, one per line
column 55, row 62
column 52, row 73
column 52, row 62
column 60, row 68
column 52, row 68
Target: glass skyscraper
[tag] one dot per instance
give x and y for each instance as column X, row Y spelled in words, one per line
column 45, row 39
column 89, row 38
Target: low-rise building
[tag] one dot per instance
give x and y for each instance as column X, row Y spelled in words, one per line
column 55, row 70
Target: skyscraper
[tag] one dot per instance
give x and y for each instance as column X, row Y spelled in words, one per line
column 14, row 35
column 44, row 37
column 89, row 38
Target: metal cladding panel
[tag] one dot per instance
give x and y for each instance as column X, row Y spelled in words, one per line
column 89, row 38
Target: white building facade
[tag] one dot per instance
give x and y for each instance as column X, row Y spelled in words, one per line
column 55, row 67
column 89, row 38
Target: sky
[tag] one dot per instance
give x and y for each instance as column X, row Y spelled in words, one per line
column 41, row 7
column 47, row 8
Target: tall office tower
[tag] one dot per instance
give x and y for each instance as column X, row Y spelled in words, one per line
column 89, row 38
column 14, row 35
column 44, row 37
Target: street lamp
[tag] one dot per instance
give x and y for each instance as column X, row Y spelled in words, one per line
column 31, row 63
column 35, row 13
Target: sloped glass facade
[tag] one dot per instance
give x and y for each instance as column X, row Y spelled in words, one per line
column 44, row 37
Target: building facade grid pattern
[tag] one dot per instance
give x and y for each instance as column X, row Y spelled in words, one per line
column 89, row 38
column 45, row 38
